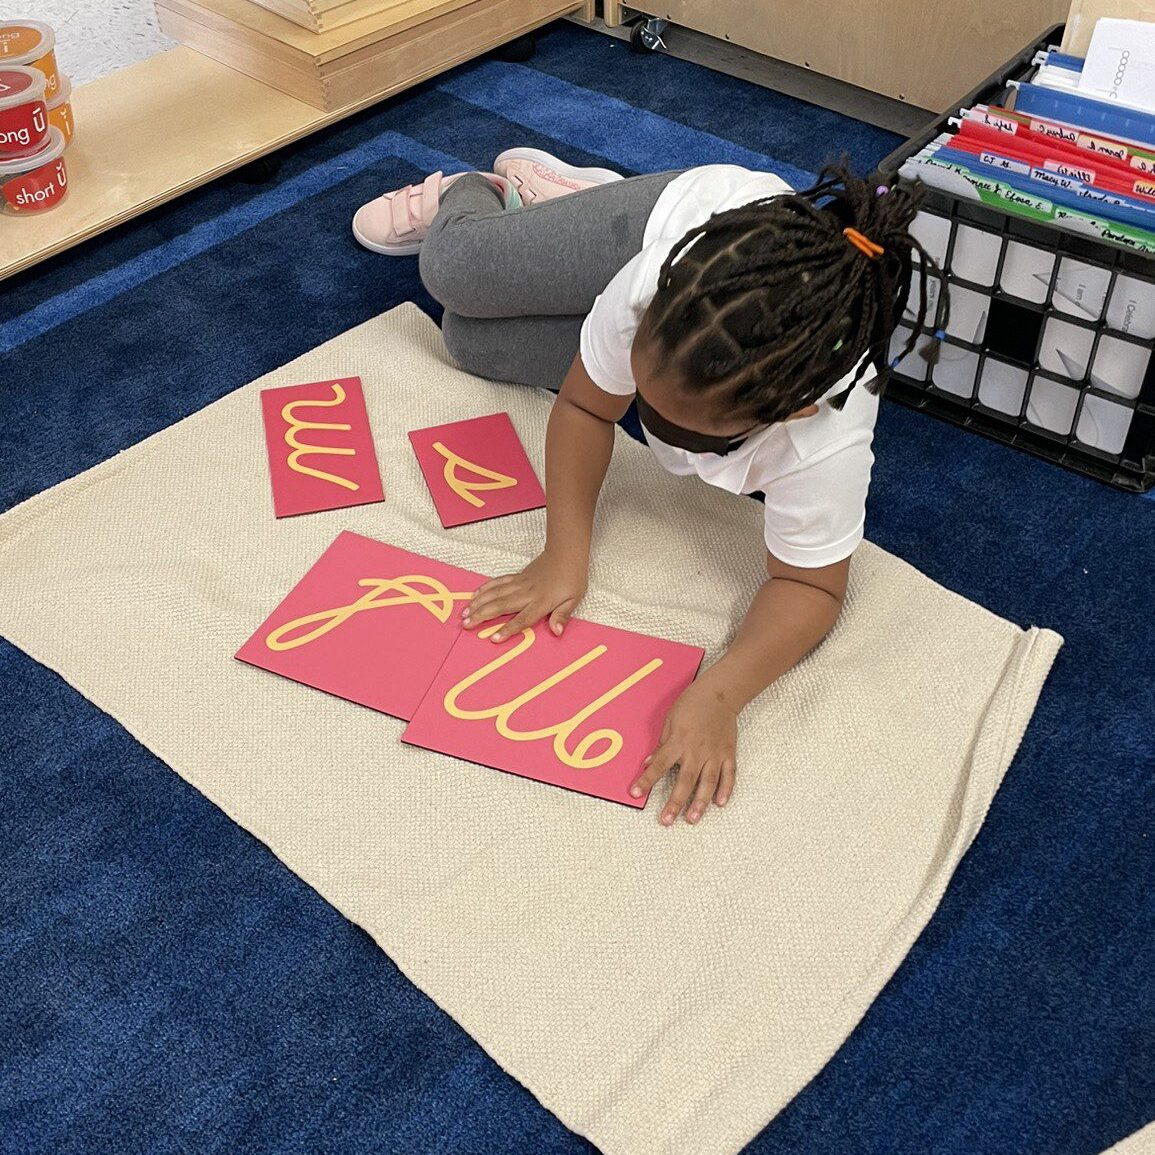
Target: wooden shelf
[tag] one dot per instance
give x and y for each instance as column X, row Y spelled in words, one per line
column 249, row 26
column 358, row 61
column 155, row 130
column 321, row 15
column 147, row 134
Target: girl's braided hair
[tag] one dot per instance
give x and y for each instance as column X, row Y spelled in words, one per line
column 771, row 303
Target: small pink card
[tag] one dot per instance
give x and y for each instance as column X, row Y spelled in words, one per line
column 321, row 453
column 369, row 622
column 476, row 469
column 580, row 711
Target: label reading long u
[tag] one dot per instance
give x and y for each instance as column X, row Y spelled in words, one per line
column 579, row 758
column 301, row 449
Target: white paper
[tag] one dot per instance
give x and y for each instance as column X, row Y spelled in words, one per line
column 968, row 314
column 910, row 315
column 955, row 370
column 1055, row 76
column 1120, row 366
column 1027, row 271
column 934, row 233
column 1103, row 424
column 1132, row 308
column 1052, row 406
column 917, row 363
column 1065, row 349
column 1002, row 386
column 1081, row 289
column 976, row 255
column 1120, row 63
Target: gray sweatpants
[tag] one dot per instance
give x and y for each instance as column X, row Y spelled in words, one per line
column 516, row 286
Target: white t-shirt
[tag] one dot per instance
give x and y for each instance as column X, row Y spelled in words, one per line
column 815, row 471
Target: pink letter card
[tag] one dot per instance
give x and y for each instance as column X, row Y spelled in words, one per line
column 369, row 622
column 476, row 469
column 321, row 453
column 580, row 711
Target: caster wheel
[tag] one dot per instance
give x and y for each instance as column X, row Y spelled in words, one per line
column 259, row 171
column 517, row 51
column 646, row 35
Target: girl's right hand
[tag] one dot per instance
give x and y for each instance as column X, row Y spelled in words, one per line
column 548, row 587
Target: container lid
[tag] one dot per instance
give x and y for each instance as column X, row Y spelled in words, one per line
column 63, row 92
column 22, row 41
column 53, row 149
column 20, row 85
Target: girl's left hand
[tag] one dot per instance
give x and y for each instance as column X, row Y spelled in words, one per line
column 699, row 738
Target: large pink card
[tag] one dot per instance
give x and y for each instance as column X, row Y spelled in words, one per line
column 476, row 469
column 369, row 622
column 321, row 453
column 580, row 711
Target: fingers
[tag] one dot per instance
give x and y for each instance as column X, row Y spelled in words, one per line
column 518, row 622
column 494, row 599
column 494, row 584
column 707, row 785
column 698, row 783
column 487, row 591
column 725, row 782
column 655, row 767
column 561, row 615
column 683, row 789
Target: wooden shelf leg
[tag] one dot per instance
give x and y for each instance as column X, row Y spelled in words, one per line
column 612, row 13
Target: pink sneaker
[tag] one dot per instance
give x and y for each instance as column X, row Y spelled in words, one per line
column 395, row 224
column 537, row 176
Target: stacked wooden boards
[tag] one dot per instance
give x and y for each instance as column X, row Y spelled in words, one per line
column 397, row 44
column 323, row 15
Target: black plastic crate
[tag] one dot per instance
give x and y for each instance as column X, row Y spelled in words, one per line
column 1027, row 285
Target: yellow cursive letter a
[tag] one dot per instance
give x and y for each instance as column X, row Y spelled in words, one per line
column 464, row 489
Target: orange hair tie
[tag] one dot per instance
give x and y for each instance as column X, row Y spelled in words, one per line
column 863, row 244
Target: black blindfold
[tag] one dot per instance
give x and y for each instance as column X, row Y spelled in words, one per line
column 687, row 439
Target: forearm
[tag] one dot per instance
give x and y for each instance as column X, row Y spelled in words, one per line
column 578, row 446
column 785, row 621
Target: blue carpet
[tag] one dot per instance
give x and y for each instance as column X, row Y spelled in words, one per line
column 167, row 986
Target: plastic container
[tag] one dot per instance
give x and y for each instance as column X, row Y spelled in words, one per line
column 60, row 109
column 23, row 112
column 1052, row 346
column 34, row 184
column 32, row 43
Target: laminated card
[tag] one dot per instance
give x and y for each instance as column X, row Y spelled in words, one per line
column 580, row 711
column 321, row 453
column 369, row 622
column 476, row 469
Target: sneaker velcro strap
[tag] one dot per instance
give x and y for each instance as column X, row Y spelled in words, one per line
column 430, row 198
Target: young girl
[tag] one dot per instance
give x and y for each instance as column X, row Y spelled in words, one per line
column 750, row 324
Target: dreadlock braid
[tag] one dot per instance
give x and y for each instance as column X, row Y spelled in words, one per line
column 771, row 303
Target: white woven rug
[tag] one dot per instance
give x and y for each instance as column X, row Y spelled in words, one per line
column 658, row 990
column 1141, row 1142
